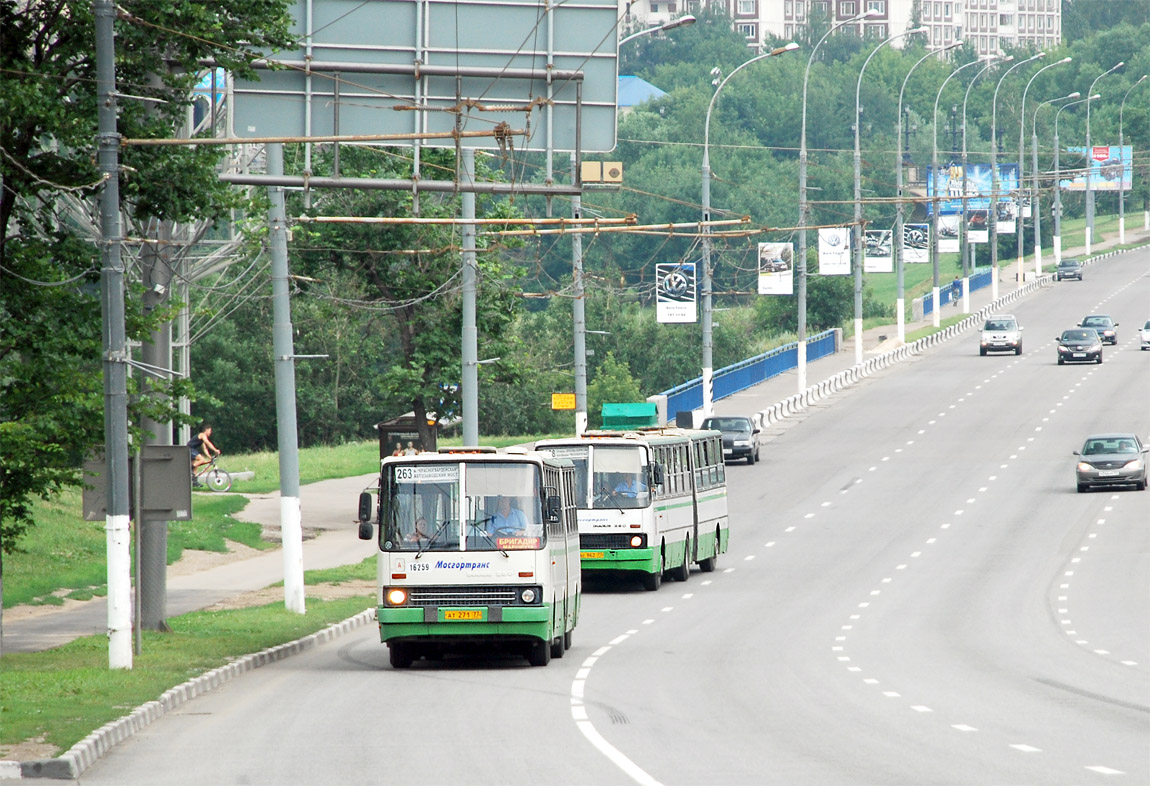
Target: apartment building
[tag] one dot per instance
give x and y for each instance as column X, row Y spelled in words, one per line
column 986, row 25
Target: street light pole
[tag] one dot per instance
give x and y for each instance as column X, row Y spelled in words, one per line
column 708, row 382
column 992, row 213
column 900, row 302
column 1121, row 180
column 1021, row 157
column 858, row 230
column 966, row 248
column 682, row 21
column 1089, row 166
column 1058, row 178
column 801, row 268
column 933, row 194
column 1035, row 200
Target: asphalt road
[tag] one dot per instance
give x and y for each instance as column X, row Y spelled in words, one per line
column 915, row 595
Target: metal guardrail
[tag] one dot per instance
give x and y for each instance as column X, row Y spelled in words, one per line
column 748, row 373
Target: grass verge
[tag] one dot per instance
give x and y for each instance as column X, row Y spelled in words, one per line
column 61, row 695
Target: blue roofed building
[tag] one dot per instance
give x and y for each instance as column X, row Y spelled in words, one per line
column 634, row 91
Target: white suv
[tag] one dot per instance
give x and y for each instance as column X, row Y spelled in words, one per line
column 1001, row 333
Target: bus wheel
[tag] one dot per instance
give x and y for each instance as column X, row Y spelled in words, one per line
column 540, row 653
column 708, row 565
column 652, row 581
column 683, row 571
column 557, row 647
column 400, row 656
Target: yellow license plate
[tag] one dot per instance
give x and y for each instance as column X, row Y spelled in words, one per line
column 591, row 555
column 456, row 615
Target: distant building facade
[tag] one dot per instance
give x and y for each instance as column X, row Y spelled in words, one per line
column 986, row 25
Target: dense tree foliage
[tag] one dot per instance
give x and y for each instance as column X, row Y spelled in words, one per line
column 51, row 403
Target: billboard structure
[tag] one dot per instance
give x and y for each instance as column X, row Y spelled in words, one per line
column 1111, row 168
column 675, row 295
column 529, row 77
column 946, row 186
column 776, row 268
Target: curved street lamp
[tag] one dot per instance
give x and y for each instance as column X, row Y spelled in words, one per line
column 858, row 230
column 1058, row 178
column 1021, row 179
column 682, row 21
column 966, row 248
column 1121, row 193
column 801, row 268
column 1035, row 200
column 933, row 193
column 900, row 302
column 708, row 392
column 1089, row 168
column 992, row 213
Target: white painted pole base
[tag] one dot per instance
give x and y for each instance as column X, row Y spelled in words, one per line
column 802, row 366
column 994, row 283
column 1088, row 239
column 966, row 296
column 1038, row 260
column 1057, row 249
column 119, row 592
column 1146, row 220
column 291, row 536
column 708, row 392
column 858, row 342
column 936, row 317
column 580, row 423
column 900, row 308
column 1122, row 231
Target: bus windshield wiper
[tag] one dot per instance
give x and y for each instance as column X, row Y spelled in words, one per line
column 434, row 536
column 486, row 536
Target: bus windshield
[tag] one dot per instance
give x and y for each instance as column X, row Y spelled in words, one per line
column 619, row 477
column 498, row 504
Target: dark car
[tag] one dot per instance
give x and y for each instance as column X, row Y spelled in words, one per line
column 1111, row 460
column 1068, row 268
column 1079, row 345
column 740, row 436
column 1104, row 325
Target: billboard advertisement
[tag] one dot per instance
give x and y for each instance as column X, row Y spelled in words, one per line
column 834, row 251
column 946, row 186
column 675, row 293
column 1111, row 169
column 878, row 256
column 776, row 273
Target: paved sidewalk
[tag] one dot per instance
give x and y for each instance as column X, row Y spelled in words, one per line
column 329, row 507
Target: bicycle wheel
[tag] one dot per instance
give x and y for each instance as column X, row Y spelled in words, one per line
column 218, row 479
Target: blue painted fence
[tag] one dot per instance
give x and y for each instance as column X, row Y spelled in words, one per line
column 948, row 295
column 746, row 373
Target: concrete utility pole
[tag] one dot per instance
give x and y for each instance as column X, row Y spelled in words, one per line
column 578, row 312
column 470, row 347
column 291, row 528
column 115, row 347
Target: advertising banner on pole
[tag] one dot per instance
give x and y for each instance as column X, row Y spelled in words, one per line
column 834, row 251
column 878, row 257
column 977, row 227
column 675, row 293
column 1111, row 169
column 915, row 243
column 776, row 268
column 948, row 234
column 1007, row 213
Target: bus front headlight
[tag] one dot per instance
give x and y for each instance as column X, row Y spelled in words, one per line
column 396, row 596
column 527, row 595
column 637, row 541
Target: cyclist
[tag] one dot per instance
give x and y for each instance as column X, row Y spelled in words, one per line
column 201, row 447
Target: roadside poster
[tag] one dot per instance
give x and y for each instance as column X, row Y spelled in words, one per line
column 878, row 257
column 946, row 187
column 776, row 268
column 1110, row 166
column 915, row 243
column 675, row 292
column 948, row 234
column 977, row 228
column 834, row 251
column 1007, row 212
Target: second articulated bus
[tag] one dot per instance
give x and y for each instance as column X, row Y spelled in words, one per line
column 651, row 500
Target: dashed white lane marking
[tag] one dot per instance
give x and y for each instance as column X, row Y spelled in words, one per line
column 921, row 708
column 1026, row 748
column 1105, row 770
column 963, row 727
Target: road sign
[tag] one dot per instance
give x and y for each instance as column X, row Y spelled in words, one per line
column 562, row 401
column 406, row 66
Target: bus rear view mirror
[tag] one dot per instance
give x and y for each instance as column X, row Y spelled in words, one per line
column 365, row 530
column 365, row 508
column 554, row 508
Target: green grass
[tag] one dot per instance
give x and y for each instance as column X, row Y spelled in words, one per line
column 63, row 694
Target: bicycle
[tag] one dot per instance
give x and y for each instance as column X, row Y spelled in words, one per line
column 212, row 476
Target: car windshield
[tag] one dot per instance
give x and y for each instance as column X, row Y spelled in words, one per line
column 1147, row 325
column 1068, row 263
column 728, row 424
column 999, row 324
column 1079, row 335
column 1101, row 445
column 1096, row 322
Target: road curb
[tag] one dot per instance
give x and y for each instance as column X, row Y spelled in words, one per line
column 71, row 764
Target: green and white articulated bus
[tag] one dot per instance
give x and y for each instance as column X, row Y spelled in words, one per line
column 651, row 500
column 477, row 549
